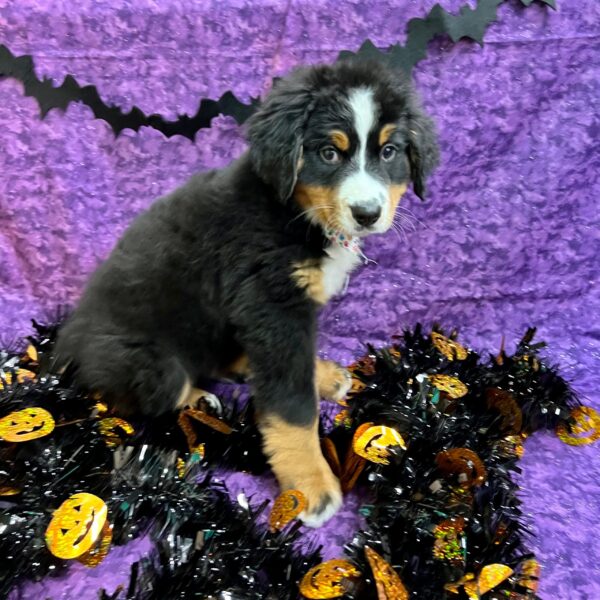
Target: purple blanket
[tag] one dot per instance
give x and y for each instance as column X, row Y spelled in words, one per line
column 509, row 238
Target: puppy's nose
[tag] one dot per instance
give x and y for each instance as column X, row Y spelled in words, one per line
column 366, row 214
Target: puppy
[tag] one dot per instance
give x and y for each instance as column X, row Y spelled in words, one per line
column 228, row 272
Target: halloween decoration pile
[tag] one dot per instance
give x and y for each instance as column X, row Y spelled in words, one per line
column 428, row 438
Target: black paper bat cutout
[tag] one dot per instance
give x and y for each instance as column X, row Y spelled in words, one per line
column 469, row 23
column 49, row 97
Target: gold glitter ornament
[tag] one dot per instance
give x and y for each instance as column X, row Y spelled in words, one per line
column 357, row 386
column 27, row 424
column 453, row 386
column 512, row 445
column 447, row 545
column 584, row 430
column 529, row 574
column 286, row 507
column 76, row 525
column 343, row 418
column 489, row 577
column 449, row 348
column 375, row 441
column 365, row 365
column 388, row 583
column 31, row 353
column 107, row 428
column 454, row 588
column 21, row 375
column 100, row 407
column 464, row 463
column 198, row 452
column 93, row 557
column 395, row 353
column 330, row 579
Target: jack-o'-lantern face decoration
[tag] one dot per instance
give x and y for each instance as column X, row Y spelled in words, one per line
column 330, row 579
column 583, row 429
column 27, row 424
column 448, row 348
column 287, row 507
column 374, row 442
column 76, row 525
column 453, row 386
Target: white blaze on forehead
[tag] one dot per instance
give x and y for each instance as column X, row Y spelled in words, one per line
column 363, row 115
column 360, row 186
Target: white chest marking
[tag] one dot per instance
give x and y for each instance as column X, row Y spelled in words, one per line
column 336, row 267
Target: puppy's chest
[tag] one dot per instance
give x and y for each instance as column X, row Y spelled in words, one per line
column 336, row 267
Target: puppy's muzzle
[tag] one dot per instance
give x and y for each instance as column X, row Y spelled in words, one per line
column 366, row 214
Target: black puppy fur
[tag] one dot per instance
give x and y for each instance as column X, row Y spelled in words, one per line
column 206, row 275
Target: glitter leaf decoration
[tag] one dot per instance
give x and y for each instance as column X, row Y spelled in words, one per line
column 388, row 583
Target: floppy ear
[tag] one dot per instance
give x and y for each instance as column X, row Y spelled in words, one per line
column 423, row 150
column 276, row 133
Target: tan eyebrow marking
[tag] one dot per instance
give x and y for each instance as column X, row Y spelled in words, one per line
column 340, row 140
column 386, row 132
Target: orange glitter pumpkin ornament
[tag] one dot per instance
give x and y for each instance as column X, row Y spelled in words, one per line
column 449, row 348
column 585, row 428
column 286, row 507
column 76, row 525
column 452, row 386
column 374, row 442
column 328, row 580
column 27, row 424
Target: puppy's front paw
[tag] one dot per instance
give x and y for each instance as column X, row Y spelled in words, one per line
column 295, row 455
column 333, row 381
column 324, row 497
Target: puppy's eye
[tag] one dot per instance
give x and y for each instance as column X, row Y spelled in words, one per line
column 330, row 155
column 388, row 153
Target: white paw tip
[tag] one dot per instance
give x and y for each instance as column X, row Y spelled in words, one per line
column 317, row 519
column 213, row 402
column 344, row 389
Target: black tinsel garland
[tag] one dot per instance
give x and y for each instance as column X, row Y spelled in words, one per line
column 210, row 547
column 468, row 24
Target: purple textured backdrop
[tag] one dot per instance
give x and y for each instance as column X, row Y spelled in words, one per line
column 510, row 237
